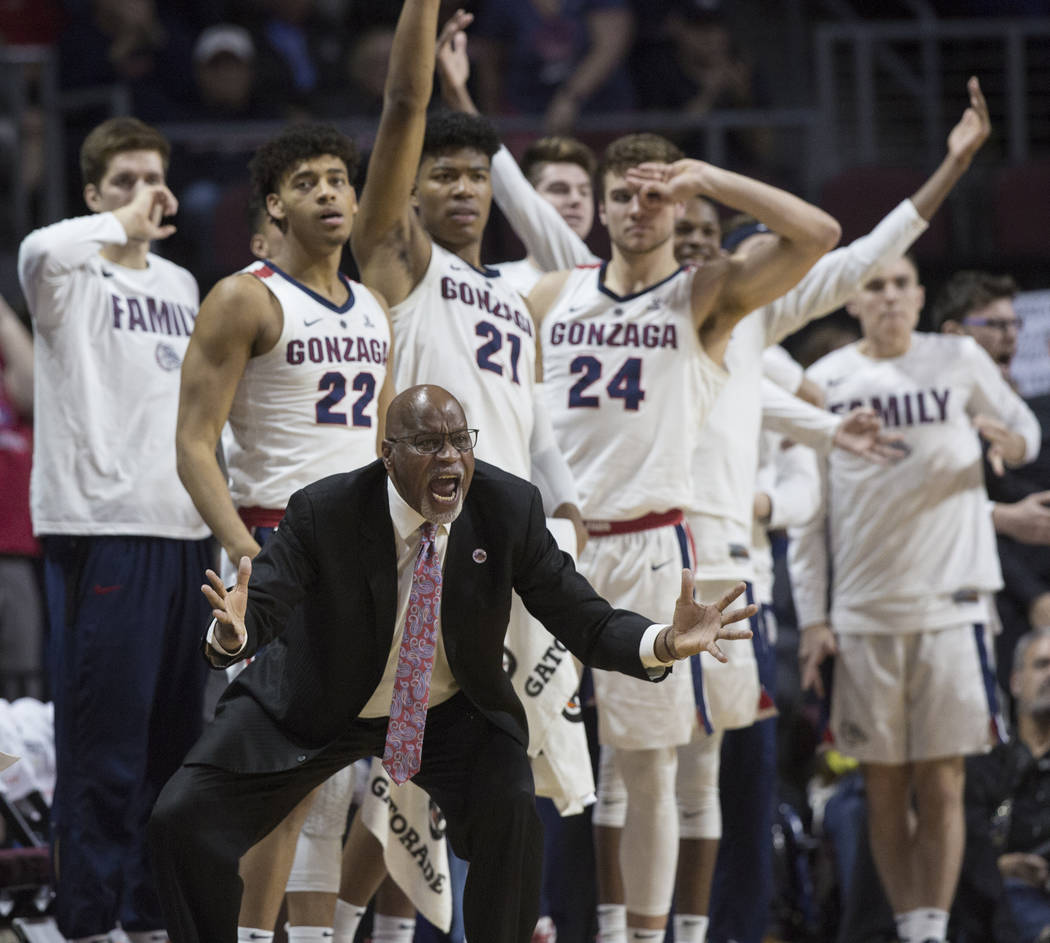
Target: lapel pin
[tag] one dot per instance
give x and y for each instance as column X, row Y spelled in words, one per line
column 480, row 556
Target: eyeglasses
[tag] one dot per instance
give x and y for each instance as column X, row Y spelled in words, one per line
column 427, row 443
column 998, row 324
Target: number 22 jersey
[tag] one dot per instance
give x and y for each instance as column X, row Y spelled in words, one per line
column 307, row 408
column 628, row 386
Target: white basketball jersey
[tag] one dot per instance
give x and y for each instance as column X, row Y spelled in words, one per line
column 521, row 275
column 463, row 329
column 628, row 386
column 109, row 344
column 307, row 408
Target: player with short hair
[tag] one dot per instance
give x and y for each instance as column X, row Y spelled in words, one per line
column 913, row 565
column 633, row 354
column 561, row 170
column 457, row 324
column 296, row 358
column 123, row 545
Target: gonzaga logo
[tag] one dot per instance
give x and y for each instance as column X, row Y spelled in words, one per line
column 167, row 356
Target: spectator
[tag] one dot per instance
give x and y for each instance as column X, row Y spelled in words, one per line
column 981, row 304
column 557, row 57
column 1008, row 819
column 128, row 42
column 21, row 612
column 225, row 87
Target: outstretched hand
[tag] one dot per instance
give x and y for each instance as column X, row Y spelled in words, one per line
column 860, row 432
column 973, row 128
column 228, row 606
column 453, row 64
column 697, row 627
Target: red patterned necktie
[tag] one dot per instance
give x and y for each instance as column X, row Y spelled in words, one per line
column 415, row 662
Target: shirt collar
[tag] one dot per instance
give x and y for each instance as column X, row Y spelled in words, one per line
column 406, row 519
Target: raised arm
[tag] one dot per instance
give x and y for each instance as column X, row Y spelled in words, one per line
column 964, row 140
column 835, row 277
column 803, row 234
column 610, row 32
column 231, row 324
column 389, row 244
column 47, row 256
column 546, row 236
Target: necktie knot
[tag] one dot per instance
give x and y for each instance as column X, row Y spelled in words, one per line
column 429, row 532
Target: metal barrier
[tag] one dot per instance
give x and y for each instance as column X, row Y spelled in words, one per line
column 925, row 64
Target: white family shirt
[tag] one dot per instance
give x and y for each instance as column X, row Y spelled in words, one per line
column 910, row 546
column 109, row 347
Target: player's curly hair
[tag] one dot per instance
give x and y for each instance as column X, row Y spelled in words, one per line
column 630, row 151
column 556, row 149
column 274, row 159
column 969, row 291
column 453, row 130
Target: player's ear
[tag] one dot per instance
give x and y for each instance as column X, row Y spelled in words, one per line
column 951, row 326
column 92, row 197
column 274, row 206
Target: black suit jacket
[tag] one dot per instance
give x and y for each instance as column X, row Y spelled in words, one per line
column 323, row 594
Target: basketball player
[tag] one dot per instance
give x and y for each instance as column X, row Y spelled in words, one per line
column 561, row 170
column 417, row 241
column 914, row 564
column 123, row 546
column 633, row 355
column 721, row 518
column 296, row 357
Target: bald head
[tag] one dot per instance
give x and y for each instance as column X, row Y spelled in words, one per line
column 434, row 483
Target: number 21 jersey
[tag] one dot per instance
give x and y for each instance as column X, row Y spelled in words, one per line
column 463, row 329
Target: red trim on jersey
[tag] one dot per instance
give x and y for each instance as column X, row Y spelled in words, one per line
column 590, row 265
column 263, row 271
column 261, row 517
column 646, row 522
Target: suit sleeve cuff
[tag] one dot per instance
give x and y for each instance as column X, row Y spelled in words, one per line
column 646, row 649
column 217, row 648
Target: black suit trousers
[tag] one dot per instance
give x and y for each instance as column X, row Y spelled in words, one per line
column 207, row 817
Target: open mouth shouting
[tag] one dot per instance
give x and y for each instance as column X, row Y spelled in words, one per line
column 445, row 488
